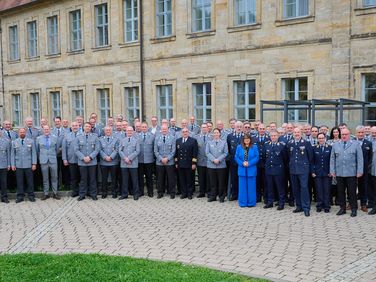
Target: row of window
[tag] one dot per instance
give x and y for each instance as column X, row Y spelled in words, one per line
column 244, row 93
column 245, row 12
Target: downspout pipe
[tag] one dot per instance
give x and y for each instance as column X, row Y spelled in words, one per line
column 142, row 75
column 2, row 105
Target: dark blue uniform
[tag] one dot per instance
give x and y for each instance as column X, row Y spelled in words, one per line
column 363, row 181
column 275, row 158
column 289, row 194
column 321, row 168
column 260, row 180
column 300, row 158
column 233, row 140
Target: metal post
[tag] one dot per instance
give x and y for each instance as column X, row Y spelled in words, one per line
column 363, row 113
column 309, row 114
column 340, row 110
column 285, row 112
column 313, row 112
column 262, row 111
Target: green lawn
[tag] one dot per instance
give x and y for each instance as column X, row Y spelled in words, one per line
column 95, row 268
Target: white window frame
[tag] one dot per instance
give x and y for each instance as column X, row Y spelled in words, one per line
column 297, row 4
column 101, row 27
column 75, row 23
column 250, row 6
column 55, row 104
column 14, row 53
column 369, row 3
column 247, row 106
column 17, row 110
column 163, row 18
column 104, row 112
column 35, row 107
column 131, row 22
column 205, row 4
column 133, row 94
column 78, row 105
column 32, row 39
column 204, row 107
column 52, row 35
column 168, row 108
column 372, row 104
column 296, row 96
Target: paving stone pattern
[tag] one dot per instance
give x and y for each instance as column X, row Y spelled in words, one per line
column 277, row 245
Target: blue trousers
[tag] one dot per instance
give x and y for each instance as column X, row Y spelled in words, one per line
column 275, row 182
column 247, row 191
column 299, row 183
column 323, row 184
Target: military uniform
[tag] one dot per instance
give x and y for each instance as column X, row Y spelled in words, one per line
column 194, row 129
column 217, row 150
column 68, row 154
column 23, row 157
column 203, row 179
column 87, row 145
column 129, row 148
column 321, row 169
column 260, row 179
column 109, row 148
column 185, row 157
column 5, row 147
column 165, row 147
column 364, row 179
column 275, row 160
column 289, row 194
column 146, row 161
column 233, row 140
column 300, row 159
column 47, row 149
column 346, row 161
column 372, row 190
column 63, row 171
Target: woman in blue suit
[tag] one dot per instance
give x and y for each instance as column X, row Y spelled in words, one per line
column 246, row 157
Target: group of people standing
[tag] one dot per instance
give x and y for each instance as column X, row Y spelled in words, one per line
column 248, row 162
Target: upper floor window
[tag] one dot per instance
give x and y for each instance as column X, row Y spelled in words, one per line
column 101, row 25
column 52, row 35
column 295, row 8
column 369, row 95
column 164, row 17
column 201, row 15
column 32, row 39
column 245, row 12
column 131, row 20
column 75, row 30
column 369, row 3
column 13, row 43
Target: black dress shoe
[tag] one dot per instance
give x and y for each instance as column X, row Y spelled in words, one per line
column 280, row 208
column 372, row 212
column 45, row 197
column 318, row 210
column 114, row 196
column 32, row 199
column 183, row 197
column 172, row 197
column 306, row 213
column 189, row 197
column 297, row 210
column 80, row 198
column 94, row 198
column 5, row 200
column 123, row 197
column 353, row 213
column 291, row 204
column 150, row 195
column 201, row 196
column 326, row 210
column 221, row 200
column 159, row 196
column 135, row 198
column 268, row 206
column 56, row 196
column 341, row 212
column 212, row 200
column 232, row 199
column 104, row 196
column 73, row 195
column 19, row 201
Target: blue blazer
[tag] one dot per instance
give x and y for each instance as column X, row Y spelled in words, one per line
column 253, row 158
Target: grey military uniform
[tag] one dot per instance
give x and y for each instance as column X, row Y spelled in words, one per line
column 146, row 155
column 5, row 147
column 87, row 145
column 165, row 147
column 23, row 155
column 11, row 134
column 373, row 163
column 109, row 148
column 67, row 148
column 216, row 150
column 202, row 140
column 346, row 161
column 194, row 129
column 32, row 132
column 129, row 148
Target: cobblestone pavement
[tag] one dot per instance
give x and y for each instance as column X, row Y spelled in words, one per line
column 277, row 245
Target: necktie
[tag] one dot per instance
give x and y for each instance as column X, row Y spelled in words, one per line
column 216, row 143
column 47, row 143
column 58, row 132
column 22, row 142
column 9, row 135
column 144, row 137
column 31, row 132
column 344, row 145
column 322, row 149
column 75, row 134
column 191, row 127
column 87, row 136
column 129, row 139
column 108, row 139
column 204, row 138
column 164, row 139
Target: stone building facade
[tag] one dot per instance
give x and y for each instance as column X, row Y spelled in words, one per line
column 214, row 59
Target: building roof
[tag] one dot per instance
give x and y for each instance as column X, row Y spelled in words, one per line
column 6, row 5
